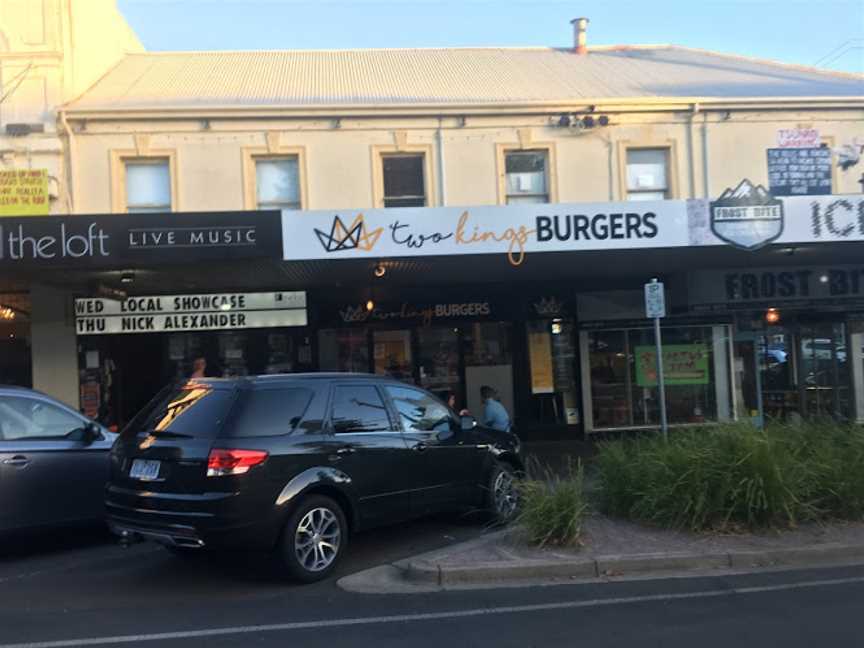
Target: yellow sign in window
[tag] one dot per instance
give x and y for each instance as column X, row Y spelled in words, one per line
column 24, row 192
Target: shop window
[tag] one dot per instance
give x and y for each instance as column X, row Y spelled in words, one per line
column 552, row 364
column 277, row 182
column 15, row 366
column 527, row 179
column 343, row 350
column 418, row 412
column 359, row 408
column 148, row 185
column 648, row 174
column 439, row 361
column 623, row 379
column 488, row 358
column 404, row 180
column 392, row 354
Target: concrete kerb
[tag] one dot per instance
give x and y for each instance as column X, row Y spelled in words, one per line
column 428, row 570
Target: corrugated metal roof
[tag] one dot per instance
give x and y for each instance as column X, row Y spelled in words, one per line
column 446, row 77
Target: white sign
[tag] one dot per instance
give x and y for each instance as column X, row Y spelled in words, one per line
column 513, row 230
column 655, row 300
column 798, row 138
column 517, row 231
column 196, row 312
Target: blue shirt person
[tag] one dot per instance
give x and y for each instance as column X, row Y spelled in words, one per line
column 495, row 415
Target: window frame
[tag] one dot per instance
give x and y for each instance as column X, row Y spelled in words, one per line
column 430, row 180
column 527, row 151
column 503, row 149
column 118, row 160
column 394, row 426
column 454, row 419
column 25, row 440
column 251, row 154
column 669, row 145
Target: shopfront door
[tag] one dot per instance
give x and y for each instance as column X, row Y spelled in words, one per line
column 804, row 370
column 824, row 371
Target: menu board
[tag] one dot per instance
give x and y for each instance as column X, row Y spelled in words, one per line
column 540, row 355
column 799, row 171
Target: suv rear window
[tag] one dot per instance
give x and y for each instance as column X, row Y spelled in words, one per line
column 268, row 412
column 193, row 409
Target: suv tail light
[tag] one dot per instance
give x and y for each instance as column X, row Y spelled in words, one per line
column 223, row 461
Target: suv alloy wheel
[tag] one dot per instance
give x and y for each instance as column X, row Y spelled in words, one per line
column 503, row 494
column 313, row 540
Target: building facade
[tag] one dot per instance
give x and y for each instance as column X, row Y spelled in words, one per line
column 461, row 217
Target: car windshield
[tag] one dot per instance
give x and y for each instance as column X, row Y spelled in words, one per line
column 193, row 409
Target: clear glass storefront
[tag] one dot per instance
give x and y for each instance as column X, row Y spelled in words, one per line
column 445, row 360
column 620, row 378
column 805, row 369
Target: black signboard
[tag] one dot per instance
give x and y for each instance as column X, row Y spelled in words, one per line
column 799, row 171
column 128, row 240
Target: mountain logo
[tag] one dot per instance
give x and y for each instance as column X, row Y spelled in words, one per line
column 349, row 237
column 748, row 217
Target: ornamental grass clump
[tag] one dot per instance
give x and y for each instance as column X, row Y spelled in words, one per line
column 735, row 476
column 552, row 506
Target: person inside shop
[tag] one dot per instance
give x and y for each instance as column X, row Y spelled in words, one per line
column 451, row 403
column 495, row 415
column 199, row 368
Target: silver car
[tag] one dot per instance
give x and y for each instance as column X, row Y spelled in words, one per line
column 53, row 462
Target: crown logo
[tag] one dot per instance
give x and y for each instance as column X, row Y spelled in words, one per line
column 349, row 237
column 548, row 306
column 354, row 314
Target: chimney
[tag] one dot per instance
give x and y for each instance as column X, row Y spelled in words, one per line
column 580, row 35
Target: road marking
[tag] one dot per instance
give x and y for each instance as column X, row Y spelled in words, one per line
column 429, row 616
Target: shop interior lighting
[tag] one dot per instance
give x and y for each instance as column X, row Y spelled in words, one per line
column 772, row 316
column 7, row 313
column 823, row 278
column 380, row 270
column 556, row 326
column 370, row 305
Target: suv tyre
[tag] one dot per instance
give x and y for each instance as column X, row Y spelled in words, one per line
column 313, row 540
column 502, row 498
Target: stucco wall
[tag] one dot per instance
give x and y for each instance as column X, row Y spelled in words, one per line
column 339, row 161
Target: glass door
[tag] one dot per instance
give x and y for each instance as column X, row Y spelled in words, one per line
column 440, row 373
column 392, row 354
column 823, row 370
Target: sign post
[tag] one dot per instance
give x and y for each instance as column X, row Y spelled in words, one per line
column 655, row 308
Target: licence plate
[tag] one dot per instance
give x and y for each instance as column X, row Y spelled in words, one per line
column 145, row 469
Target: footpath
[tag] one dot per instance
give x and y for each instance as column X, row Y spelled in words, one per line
column 613, row 550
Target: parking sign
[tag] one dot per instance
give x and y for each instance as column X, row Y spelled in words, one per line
column 655, row 300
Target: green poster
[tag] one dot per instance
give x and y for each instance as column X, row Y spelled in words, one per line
column 683, row 364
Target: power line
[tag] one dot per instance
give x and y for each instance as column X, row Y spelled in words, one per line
column 839, row 47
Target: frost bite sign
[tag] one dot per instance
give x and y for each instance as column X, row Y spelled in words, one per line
column 748, row 217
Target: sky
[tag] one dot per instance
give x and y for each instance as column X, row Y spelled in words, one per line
column 827, row 33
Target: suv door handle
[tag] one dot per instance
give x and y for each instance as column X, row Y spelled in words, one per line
column 419, row 447
column 19, row 461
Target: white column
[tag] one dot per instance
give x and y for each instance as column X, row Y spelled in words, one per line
column 53, row 344
column 856, row 347
column 720, row 337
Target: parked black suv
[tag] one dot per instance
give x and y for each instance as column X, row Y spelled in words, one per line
column 294, row 463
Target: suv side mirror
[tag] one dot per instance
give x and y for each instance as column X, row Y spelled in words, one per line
column 86, row 434
column 468, row 423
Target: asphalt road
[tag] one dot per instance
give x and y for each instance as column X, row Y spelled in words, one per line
column 79, row 589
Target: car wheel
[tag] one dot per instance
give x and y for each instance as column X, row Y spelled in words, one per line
column 503, row 494
column 314, row 539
